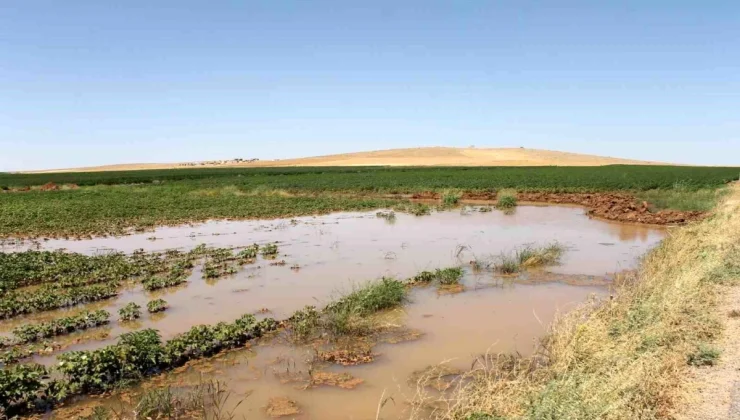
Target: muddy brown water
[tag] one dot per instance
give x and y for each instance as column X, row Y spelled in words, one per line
column 339, row 251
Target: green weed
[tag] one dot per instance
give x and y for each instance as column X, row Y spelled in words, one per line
column 704, row 356
column 448, row 276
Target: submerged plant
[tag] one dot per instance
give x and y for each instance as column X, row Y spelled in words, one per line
column 130, row 312
column 269, row 250
column 27, row 333
column 157, row 305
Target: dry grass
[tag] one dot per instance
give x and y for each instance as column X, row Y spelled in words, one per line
column 624, row 357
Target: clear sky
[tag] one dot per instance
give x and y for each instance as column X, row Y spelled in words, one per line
column 99, row 82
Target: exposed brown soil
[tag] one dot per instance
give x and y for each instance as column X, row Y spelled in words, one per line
column 620, row 207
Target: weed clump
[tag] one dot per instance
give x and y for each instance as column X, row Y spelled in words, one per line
column 130, row 312
column 349, row 314
column 157, row 305
column 506, row 202
column 528, row 257
column 704, row 356
column 451, row 198
column 424, row 277
column 305, row 323
column 448, row 276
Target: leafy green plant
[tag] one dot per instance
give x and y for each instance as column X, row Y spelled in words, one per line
column 157, row 305
column 130, row 312
column 19, row 387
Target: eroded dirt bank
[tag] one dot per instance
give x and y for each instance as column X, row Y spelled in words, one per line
column 621, row 207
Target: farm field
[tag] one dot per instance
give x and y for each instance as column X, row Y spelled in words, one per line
column 259, row 293
column 80, row 204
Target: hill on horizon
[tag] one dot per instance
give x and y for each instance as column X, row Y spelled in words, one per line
column 421, row 156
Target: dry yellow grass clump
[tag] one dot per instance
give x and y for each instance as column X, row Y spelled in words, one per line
column 625, row 357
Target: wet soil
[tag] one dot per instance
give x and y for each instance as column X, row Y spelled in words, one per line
column 337, row 252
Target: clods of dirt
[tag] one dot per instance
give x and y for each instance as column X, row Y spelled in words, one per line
column 340, row 380
column 615, row 206
column 281, row 407
column 619, row 207
column 347, row 357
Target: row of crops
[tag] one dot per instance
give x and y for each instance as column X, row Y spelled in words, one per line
column 601, row 178
column 38, row 281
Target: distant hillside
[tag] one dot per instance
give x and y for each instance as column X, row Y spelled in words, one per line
column 422, row 156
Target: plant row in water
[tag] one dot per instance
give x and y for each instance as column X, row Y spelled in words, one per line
column 28, row 333
column 136, row 355
column 68, row 279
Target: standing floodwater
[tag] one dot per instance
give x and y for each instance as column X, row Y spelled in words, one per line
column 328, row 255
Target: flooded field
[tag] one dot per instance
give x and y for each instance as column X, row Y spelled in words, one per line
column 327, row 256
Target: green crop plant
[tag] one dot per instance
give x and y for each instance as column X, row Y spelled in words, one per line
column 130, row 312
column 249, row 253
column 157, row 305
column 47, row 298
column 156, row 283
column 269, row 250
column 305, row 323
column 19, row 386
column 85, row 211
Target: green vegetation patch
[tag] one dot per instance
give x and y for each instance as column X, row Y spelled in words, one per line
column 117, row 202
column 28, row 333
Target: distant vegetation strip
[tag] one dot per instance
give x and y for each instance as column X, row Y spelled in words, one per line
column 405, row 179
column 146, row 199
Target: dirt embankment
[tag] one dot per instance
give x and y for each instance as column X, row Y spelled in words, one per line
column 619, row 207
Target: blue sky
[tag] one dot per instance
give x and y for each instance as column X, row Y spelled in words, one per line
column 99, row 82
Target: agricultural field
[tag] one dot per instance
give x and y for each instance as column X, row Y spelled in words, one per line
column 356, row 292
column 80, row 204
